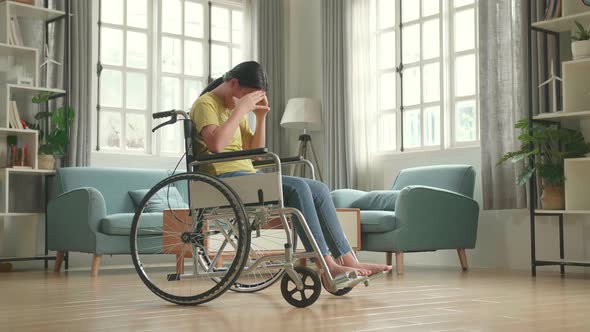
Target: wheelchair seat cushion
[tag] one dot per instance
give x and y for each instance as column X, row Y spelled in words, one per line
column 120, row 224
column 164, row 199
column 378, row 221
column 378, row 200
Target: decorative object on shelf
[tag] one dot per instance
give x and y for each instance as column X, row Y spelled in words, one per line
column 570, row 7
column 553, row 81
column 46, row 161
column 52, row 142
column 553, row 9
column 581, row 43
column 47, row 62
column 552, row 144
column 18, row 155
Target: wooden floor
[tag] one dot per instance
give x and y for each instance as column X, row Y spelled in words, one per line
column 424, row 299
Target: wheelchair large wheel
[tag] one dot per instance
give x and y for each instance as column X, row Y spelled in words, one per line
column 190, row 255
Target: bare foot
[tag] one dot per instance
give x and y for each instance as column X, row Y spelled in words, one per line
column 336, row 269
column 373, row 268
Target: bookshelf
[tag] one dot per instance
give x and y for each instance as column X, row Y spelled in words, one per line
column 575, row 97
column 24, row 191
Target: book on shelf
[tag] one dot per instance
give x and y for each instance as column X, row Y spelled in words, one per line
column 16, row 32
column 553, row 9
column 16, row 121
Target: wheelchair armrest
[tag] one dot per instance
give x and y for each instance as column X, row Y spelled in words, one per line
column 258, row 163
column 233, row 154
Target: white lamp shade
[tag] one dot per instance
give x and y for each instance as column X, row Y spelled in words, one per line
column 302, row 113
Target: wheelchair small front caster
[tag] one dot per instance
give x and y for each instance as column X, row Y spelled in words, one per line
column 311, row 288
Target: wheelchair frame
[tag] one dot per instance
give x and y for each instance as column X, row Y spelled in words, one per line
column 337, row 285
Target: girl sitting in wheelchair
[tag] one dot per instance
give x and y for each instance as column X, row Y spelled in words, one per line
column 220, row 117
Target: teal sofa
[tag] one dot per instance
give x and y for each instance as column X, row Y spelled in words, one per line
column 92, row 210
column 427, row 209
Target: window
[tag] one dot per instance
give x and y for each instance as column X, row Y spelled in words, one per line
column 427, row 76
column 155, row 56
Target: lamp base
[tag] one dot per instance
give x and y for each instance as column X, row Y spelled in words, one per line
column 304, row 143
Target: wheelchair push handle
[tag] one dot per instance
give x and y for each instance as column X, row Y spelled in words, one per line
column 172, row 114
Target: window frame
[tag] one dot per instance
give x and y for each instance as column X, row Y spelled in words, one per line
column 153, row 143
column 446, row 60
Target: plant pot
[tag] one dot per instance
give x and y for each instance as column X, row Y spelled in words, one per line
column 553, row 198
column 581, row 49
column 46, row 161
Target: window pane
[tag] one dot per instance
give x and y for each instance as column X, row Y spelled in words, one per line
column 465, row 121
column 137, row 13
column 431, row 39
column 236, row 56
column 136, row 91
column 386, row 13
column 137, row 50
column 193, row 58
column 110, row 130
column 171, row 16
column 171, row 49
column 193, row 19
column 432, row 125
column 387, row 91
column 412, row 86
column 411, row 40
column 387, row 50
column 112, row 11
column 237, row 26
column 464, row 30
column 192, row 89
column 111, row 49
column 219, row 24
column 465, row 75
column 111, row 87
column 430, row 7
column 387, row 132
column 412, row 129
column 410, row 10
column 135, row 131
column 170, row 93
column 431, row 82
column 219, row 60
column 459, row 3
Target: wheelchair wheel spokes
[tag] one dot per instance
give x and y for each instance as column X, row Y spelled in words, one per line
column 266, row 257
column 190, row 256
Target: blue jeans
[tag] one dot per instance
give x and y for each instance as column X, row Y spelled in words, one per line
column 314, row 200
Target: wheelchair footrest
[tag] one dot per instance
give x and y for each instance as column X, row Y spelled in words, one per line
column 355, row 279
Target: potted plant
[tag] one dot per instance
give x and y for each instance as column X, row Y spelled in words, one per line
column 53, row 140
column 552, row 144
column 581, row 43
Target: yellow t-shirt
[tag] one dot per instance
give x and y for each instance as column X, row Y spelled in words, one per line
column 208, row 109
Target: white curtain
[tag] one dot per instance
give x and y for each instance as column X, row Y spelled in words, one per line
column 348, row 91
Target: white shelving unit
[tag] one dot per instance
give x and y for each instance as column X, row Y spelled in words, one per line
column 22, row 190
column 575, row 95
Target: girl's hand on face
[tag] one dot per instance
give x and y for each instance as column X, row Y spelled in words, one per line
column 262, row 112
column 250, row 102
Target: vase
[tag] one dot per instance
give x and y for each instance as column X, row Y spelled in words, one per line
column 46, row 161
column 553, row 198
column 581, row 49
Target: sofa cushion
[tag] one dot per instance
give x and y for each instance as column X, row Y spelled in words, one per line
column 120, row 224
column 378, row 200
column 165, row 198
column 378, row 221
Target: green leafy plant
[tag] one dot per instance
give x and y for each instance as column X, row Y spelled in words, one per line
column 582, row 33
column 552, row 144
column 54, row 141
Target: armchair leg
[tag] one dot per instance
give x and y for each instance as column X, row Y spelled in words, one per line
column 95, row 265
column 462, row 259
column 388, row 258
column 58, row 261
column 399, row 262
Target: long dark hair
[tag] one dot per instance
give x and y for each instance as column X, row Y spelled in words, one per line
column 249, row 74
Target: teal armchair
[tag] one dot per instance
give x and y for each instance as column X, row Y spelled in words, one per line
column 427, row 209
column 92, row 211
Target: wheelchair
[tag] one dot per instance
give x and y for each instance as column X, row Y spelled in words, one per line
column 232, row 234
